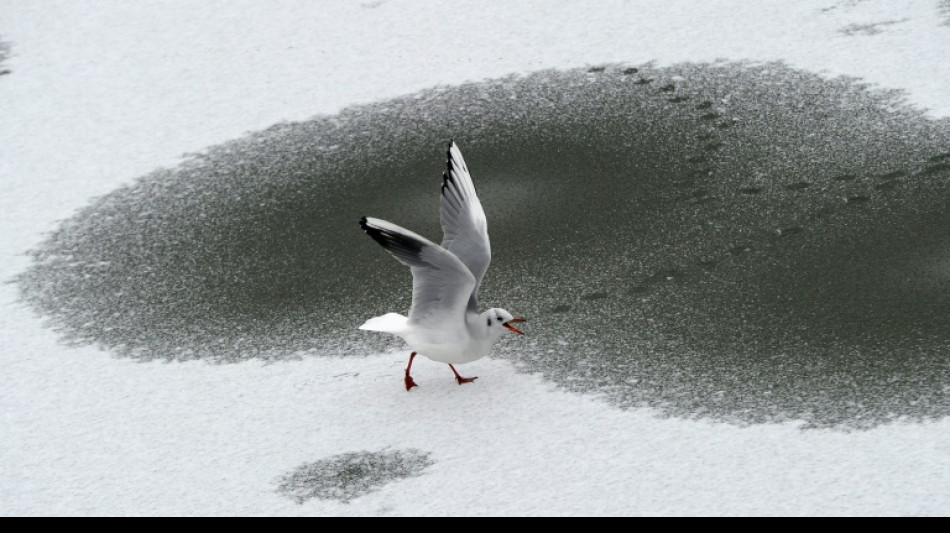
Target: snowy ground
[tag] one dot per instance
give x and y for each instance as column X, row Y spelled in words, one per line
column 102, row 92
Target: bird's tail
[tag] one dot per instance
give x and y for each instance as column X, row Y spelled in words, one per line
column 388, row 323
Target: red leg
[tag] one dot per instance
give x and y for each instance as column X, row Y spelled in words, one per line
column 409, row 381
column 460, row 379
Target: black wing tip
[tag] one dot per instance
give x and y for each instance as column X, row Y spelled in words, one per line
column 374, row 232
column 398, row 244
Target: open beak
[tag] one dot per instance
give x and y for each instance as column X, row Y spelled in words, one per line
column 516, row 320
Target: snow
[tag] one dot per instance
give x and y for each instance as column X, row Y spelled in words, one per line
column 101, row 92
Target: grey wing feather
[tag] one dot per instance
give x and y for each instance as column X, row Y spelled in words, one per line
column 441, row 284
column 464, row 224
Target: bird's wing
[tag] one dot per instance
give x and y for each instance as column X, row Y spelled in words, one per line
column 464, row 225
column 441, row 284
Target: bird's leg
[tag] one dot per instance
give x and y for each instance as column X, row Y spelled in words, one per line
column 460, row 379
column 410, row 383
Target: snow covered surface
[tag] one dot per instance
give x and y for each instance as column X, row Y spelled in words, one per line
column 102, row 92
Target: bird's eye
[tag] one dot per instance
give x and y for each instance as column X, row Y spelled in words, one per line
column 499, row 319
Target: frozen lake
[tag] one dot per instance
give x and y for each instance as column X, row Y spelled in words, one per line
column 726, row 223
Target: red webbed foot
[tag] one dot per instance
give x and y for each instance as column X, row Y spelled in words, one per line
column 460, row 379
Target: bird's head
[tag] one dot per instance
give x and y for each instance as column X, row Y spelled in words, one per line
column 496, row 319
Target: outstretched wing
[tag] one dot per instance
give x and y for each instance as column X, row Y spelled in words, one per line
column 464, row 225
column 441, row 284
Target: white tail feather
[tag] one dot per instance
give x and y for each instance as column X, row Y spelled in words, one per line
column 388, row 323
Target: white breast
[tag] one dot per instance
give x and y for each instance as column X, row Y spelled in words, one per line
column 448, row 345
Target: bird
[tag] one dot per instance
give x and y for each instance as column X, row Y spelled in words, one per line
column 444, row 324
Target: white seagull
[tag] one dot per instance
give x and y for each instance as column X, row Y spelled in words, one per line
column 444, row 323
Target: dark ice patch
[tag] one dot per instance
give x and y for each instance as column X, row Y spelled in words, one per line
column 252, row 249
column 351, row 475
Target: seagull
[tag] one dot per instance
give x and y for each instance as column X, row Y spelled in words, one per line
column 444, row 324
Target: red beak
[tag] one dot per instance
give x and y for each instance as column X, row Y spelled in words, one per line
column 516, row 320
